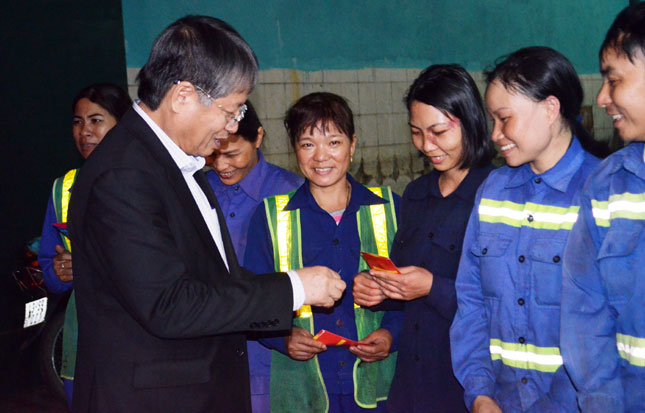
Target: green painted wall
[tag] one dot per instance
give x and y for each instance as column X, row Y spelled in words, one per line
column 315, row 35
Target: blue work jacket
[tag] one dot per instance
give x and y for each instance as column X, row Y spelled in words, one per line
column 603, row 293
column 238, row 203
column 336, row 247
column 505, row 337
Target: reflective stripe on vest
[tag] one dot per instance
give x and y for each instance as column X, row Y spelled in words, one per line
column 526, row 356
column 631, row 349
column 625, row 205
column 528, row 214
column 60, row 197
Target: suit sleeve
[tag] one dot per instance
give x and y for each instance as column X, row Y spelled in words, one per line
column 588, row 320
column 48, row 241
column 469, row 333
column 126, row 231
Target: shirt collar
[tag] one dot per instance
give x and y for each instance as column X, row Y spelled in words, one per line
column 466, row 189
column 557, row 177
column 188, row 164
column 360, row 196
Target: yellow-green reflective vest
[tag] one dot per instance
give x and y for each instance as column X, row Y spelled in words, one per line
column 60, row 197
column 298, row 386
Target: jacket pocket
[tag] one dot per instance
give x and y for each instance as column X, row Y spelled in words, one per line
column 170, row 373
column 546, row 270
column 491, row 249
column 617, row 256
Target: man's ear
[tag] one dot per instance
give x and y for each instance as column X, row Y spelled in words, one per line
column 181, row 95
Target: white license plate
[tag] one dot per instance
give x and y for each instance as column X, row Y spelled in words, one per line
column 35, row 312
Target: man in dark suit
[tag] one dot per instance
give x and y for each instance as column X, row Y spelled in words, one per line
column 163, row 305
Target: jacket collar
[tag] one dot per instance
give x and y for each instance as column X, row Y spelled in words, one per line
column 466, row 189
column 557, row 177
column 360, row 196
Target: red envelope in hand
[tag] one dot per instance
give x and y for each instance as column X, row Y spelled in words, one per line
column 331, row 339
column 380, row 263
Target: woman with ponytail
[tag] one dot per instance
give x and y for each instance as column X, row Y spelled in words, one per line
column 505, row 338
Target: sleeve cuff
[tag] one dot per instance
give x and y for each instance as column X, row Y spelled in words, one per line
column 478, row 386
column 298, row 290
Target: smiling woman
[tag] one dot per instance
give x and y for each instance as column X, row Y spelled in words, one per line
column 241, row 178
column 327, row 221
column 96, row 109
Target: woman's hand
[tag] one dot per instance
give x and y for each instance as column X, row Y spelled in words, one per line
column 484, row 404
column 301, row 344
column 413, row 282
column 376, row 346
column 63, row 264
column 366, row 291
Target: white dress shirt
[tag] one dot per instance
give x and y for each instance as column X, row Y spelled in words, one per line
column 188, row 165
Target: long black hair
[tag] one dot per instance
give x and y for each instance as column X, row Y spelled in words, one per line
column 450, row 89
column 539, row 72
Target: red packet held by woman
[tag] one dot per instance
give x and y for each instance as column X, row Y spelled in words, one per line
column 380, row 263
column 331, row 339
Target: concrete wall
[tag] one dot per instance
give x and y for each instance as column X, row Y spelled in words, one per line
column 371, row 51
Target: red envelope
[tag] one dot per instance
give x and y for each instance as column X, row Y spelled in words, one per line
column 331, row 339
column 380, row 263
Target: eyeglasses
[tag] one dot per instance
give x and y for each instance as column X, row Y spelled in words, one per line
column 231, row 118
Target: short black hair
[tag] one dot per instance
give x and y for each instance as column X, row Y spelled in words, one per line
column 450, row 89
column 627, row 33
column 202, row 50
column 107, row 95
column 322, row 108
column 538, row 72
column 248, row 127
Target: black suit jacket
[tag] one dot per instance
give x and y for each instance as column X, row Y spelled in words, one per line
column 161, row 319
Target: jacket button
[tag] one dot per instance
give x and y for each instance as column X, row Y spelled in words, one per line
column 232, row 214
column 431, row 235
column 521, row 340
column 342, row 364
column 530, row 218
column 484, row 251
column 520, row 301
column 556, row 259
column 452, row 247
column 339, row 323
column 239, row 352
column 236, row 187
column 538, row 180
column 335, row 242
column 521, row 258
column 524, row 380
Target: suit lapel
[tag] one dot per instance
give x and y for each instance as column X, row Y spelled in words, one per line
column 179, row 186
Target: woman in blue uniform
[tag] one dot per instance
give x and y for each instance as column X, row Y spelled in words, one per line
column 241, row 179
column 505, row 337
column 448, row 126
column 327, row 221
column 97, row 109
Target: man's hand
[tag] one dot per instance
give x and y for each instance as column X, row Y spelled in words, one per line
column 484, row 404
column 413, row 282
column 63, row 264
column 366, row 291
column 322, row 285
column 376, row 346
column 301, row 344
